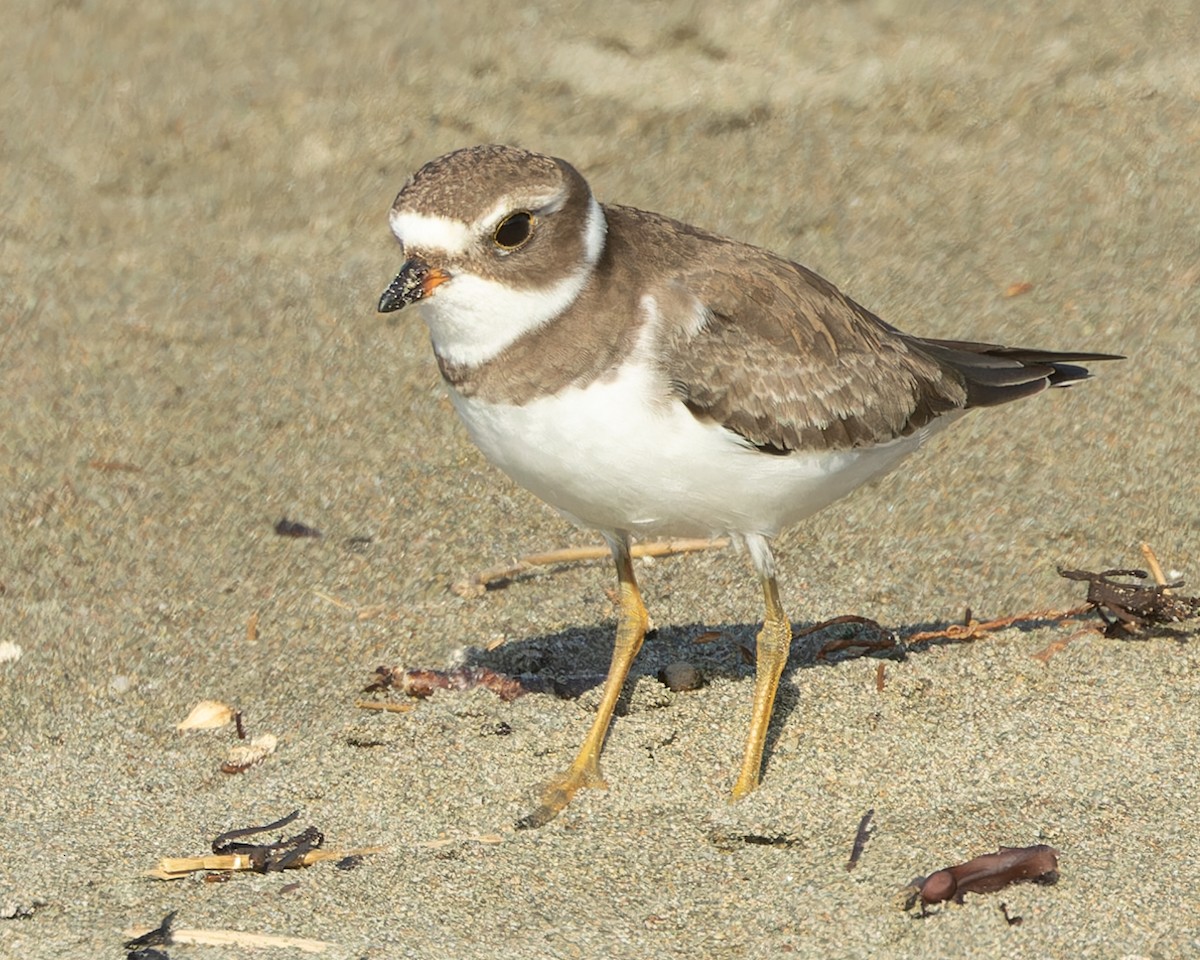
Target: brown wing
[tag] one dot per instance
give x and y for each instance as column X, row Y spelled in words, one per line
column 788, row 362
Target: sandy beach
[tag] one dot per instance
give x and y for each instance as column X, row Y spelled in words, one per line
column 194, row 239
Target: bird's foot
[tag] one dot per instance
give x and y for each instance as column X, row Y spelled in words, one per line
column 559, row 791
column 746, row 783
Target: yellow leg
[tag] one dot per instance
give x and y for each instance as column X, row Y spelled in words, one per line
column 774, row 643
column 585, row 770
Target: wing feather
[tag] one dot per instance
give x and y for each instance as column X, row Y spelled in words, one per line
column 788, row 362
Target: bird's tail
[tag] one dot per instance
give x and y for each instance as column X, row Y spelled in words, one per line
column 994, row 374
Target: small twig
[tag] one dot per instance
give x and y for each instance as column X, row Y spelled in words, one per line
column 1156, row 571
column 385, row 705
column 334, row 600
column 477, row 584
column 176, row 868
column 224, row 938
column 487, row 838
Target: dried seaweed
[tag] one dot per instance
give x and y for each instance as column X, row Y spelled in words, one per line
column 422, row 683
column 294, row 528
column 160, row 936
column 986, row 874
column 232, row 852
column 269, row 857
column 1130, row 609
column 860, row 839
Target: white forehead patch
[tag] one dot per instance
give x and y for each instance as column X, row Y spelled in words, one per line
column 424, row 232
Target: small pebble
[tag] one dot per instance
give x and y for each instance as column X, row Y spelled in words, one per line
column 681, row 676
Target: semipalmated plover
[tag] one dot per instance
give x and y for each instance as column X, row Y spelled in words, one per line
column 647, row 377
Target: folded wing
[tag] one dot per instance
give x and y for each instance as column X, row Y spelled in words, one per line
column 788, row 362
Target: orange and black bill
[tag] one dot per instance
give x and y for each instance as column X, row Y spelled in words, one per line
column 415, row 281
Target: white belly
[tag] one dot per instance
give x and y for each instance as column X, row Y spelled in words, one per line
column 616, row 455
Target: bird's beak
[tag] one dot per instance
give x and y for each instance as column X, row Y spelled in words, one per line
column 415, row 281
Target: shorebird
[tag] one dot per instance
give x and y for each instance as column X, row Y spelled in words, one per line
column 647, row 377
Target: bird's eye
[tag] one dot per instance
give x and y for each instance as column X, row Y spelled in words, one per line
column 514, row 230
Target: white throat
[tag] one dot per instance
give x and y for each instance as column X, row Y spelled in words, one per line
column 472, row 319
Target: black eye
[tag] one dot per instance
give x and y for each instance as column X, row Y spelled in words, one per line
column 514, row 230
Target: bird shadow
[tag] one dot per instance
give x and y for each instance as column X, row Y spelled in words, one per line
column 572, row 662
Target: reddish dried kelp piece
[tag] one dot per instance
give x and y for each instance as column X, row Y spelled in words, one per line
column 884, row 640
column 1129, row 608
column 988, row 873
column 971, row 630
column 422, row 683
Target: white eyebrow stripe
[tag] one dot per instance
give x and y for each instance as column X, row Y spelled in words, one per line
column 541, row 206
column 424, row 232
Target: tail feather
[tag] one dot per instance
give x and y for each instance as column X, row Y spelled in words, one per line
column 993, row 374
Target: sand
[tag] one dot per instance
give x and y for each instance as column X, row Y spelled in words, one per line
column 194, row 239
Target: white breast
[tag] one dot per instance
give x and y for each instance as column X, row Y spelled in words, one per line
column 619, row 454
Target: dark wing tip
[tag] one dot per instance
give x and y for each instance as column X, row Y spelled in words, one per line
column 994, row 374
